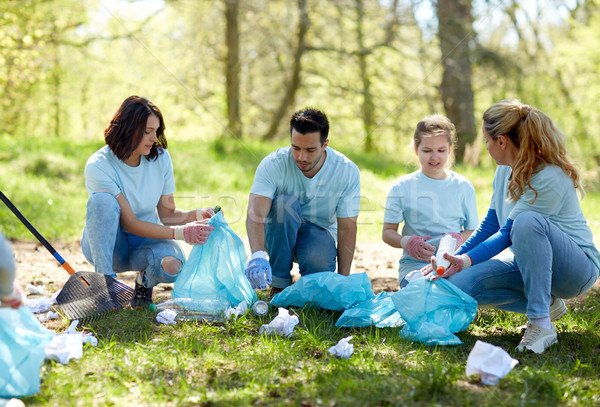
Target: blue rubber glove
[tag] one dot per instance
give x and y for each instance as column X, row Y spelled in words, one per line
column 258, row 270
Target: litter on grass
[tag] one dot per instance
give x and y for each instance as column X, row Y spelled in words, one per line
column 283, row 324
column 491, row 362
column 343, row 348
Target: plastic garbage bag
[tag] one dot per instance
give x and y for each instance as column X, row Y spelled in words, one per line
column 326, row 290
column 434, row 311
column 379, row 311
column 489, row 361
column 22, row 342
column 215, row 270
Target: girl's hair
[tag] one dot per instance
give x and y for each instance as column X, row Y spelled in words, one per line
column 538, row 140
column 127, row 127
column 435, row 125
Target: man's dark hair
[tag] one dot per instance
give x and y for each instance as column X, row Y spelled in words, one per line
column 127, row 127
column 309, row 120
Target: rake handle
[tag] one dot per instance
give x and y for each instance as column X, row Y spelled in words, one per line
column 37, row 234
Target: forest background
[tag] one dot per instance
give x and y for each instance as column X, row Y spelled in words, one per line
column 228, row 74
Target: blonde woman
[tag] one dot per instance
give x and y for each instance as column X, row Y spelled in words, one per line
column 535, row 212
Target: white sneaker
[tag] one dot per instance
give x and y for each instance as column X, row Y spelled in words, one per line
column 558, row 309
column 537, row 339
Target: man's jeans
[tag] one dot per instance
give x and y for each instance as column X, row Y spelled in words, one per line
column 289, row 238
column 109, row 248
column 544, row 262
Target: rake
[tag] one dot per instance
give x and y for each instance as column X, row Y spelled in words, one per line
column 87, row 295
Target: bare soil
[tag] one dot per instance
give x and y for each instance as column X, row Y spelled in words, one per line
column 35, row 265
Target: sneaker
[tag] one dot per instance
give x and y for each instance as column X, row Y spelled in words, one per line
column 142, row 297
column 558, row 309
column 537, row 339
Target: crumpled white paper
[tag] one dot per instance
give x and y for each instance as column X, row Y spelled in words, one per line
column 343, row 348
column 167, row 317
column 489, row 361
column 240, row 309
column 35, row 289
column 69, row 345
column 38, row 305
column 283, row 324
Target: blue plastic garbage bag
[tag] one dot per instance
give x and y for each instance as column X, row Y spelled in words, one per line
column 215, row 270
column 22, row 342
column 379, row 311
column 434, row 311
column 326, row 290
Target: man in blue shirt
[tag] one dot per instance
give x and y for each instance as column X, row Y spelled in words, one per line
column 304, row 200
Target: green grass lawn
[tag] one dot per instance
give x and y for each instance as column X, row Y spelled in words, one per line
column 138, row 362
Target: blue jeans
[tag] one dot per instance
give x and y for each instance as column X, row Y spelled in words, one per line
column 109, row 248
column 289, row 238
column 544, row 262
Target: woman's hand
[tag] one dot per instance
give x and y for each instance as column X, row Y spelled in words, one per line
column 417, row 247
column 14, row 300
column 458, row 237
column 457, row 263
column 204, row 213
column 193, row 232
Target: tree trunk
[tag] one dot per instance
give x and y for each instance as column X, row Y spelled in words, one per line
column 455, row 32
column 232, row 68
column 294, row 81
column 368, row 106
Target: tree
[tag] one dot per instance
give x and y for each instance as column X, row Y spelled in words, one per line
column 455, row 33
column 232, row 68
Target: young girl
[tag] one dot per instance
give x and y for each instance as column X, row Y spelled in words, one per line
column 536, row 213
column 131, row 219
column 431, row 201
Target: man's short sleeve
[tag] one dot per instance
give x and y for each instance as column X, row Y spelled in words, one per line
column 349, row 202
column 264, row 179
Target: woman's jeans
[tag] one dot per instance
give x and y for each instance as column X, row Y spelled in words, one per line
column 544, row 263
column 110, row 249
column 289, row 238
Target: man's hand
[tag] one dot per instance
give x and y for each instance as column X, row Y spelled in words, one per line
column 193, row 232
column 417, row 247
column 258, row 270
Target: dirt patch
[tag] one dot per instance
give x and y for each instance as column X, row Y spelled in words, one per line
column 35, row 265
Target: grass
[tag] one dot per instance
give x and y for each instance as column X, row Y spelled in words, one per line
column 138, row 362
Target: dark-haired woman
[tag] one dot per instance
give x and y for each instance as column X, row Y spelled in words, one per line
column 131, row 220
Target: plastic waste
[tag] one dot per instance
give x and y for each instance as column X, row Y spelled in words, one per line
column 447, row 245
column 283, row 324
column 379, row 311
column 327, row 290
column 260, row 307
column 490, row 362
column 434, row 311
column 343, row 348
column 215, row 270
column 192, row 309
column 22, row 342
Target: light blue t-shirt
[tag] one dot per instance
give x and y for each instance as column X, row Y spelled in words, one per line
column 142, row 186
column 556, row 200
column 430, row 207
column 334, row 192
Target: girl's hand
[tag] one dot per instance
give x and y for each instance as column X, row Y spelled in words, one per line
column 417, row 247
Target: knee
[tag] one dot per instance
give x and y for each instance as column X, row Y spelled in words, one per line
column 102, row 201
column 526, row 224
column 284, row 206
column 171, row 265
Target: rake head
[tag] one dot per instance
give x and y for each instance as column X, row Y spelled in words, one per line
column 88, row 296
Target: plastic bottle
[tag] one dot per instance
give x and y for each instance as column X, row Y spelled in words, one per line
column 191, row 309
column 447, row 245
column 260, row 307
